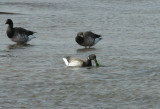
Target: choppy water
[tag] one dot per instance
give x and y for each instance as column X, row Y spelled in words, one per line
column 35, row 77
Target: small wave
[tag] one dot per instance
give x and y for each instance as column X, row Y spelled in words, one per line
column 18, row 46
column 8, row 13
column 7, row 55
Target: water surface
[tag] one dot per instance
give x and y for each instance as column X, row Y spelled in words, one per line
column 35, row 76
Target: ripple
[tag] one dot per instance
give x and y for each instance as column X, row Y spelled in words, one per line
column 18, row 46
column 81, row 50
column 8, row 13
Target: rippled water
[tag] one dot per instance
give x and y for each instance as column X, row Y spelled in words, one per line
column 35, row 77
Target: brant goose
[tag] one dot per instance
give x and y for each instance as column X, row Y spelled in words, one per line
column 18, row 34
column 87, row 38
column 76, row 62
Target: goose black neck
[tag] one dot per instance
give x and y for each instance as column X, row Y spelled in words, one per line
column 11, row 25
column 10, row 30
column 88, row 62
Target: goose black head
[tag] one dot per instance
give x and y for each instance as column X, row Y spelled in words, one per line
column 93, row 57
column 9, row 21
column 80, row 34
column 79, row 38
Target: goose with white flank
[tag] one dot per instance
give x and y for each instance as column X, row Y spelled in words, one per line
column 77, row 62
column 18, row 34
column 87, row 38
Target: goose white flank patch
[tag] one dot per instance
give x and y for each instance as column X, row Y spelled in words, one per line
column 87, row 38
column 18, row 34
column 77, row 62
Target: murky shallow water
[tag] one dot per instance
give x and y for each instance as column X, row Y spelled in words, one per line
column 35, row 77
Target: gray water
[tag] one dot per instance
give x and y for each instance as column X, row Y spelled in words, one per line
column 35, row 76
